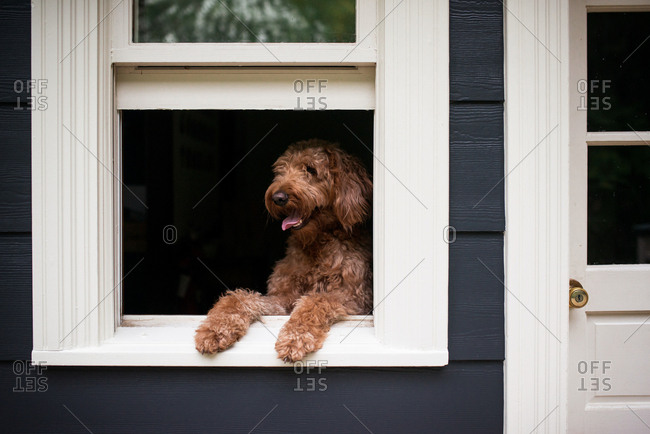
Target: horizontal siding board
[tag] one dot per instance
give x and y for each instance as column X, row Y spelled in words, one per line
column 476, row 166
column 15, row 170
column 15, row 296
column 462, row 397
column 15, row 49
column 476, row 50
column 476, row 297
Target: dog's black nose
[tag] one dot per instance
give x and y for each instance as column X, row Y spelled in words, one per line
column 280, row 198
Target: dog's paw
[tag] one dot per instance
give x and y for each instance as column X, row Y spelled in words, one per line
column 293, row 345
column 210, row 339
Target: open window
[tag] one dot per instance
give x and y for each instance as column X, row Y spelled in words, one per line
column 193, row 216
column 160, row 118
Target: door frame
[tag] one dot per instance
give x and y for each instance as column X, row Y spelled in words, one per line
column 540, row 93
column 537, row 222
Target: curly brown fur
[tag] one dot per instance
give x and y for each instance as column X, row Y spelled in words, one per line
column 323, row 194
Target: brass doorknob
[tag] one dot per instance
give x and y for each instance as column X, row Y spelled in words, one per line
column 578, row 297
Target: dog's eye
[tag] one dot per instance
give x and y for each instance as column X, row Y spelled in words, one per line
column 311, row 170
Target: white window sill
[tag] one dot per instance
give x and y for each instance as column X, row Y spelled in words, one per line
column 169, row 341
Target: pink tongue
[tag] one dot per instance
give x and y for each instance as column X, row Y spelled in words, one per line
column 290, row 221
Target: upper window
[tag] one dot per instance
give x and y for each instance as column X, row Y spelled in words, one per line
column 616, row 97
column 244, row 21
column 617, row 68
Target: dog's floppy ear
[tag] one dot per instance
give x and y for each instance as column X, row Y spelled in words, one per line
column 352, row 188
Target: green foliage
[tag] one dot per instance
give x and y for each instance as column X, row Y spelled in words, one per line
column 245, row 21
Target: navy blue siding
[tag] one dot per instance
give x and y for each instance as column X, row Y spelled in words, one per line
column 454, row 399
column 475, row 289
column 15, row 49
column 476, row 167
column 465, row 396
column 15, row 182
column 476, row 50
column 477, row 197
column 15, row 296
column 15, row 169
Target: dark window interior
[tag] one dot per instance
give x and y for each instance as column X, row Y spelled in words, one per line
column 194, row 221
column 617, row 93
column 619, row 205
column 618, row 99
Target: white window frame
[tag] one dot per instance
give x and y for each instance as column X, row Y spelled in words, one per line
column 78, row 47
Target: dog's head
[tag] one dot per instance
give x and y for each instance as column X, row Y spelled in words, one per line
column 316, row 181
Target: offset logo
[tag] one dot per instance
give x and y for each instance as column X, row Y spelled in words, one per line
column 170, row 234
column 593, row 376
column 310, row 94
column 37, row 99
column 593, row 95
column 29, row 377
column 309, row 376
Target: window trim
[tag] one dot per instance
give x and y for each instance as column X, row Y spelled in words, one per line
column 76, row 273
column 127, row 52
column 242, row 88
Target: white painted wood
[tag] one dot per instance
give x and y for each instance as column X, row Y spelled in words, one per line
column 536, row 238
column 619, row 138
column 76, row 188
column 237, row 54
column 170, row 343
column 363, row 52
column 246, row 88
column 609, row 330
column 609, row 373
column 367, row 19
column 71, row 268
column 578, row 227
column 619, row 286
column 411, row 175
column 616, row 6
column 193, row 321
column 626, row 365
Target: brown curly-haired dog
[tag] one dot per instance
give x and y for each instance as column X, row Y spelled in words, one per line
column 322, row 194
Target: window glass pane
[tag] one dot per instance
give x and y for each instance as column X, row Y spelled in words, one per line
column 245, row 21
column 203, row 180
column 619, row 205
column 617, row 92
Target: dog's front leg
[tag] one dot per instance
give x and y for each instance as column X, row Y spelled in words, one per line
column 230, row 318
column 308, row 325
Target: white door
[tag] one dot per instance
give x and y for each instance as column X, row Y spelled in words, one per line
column 609, row 338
